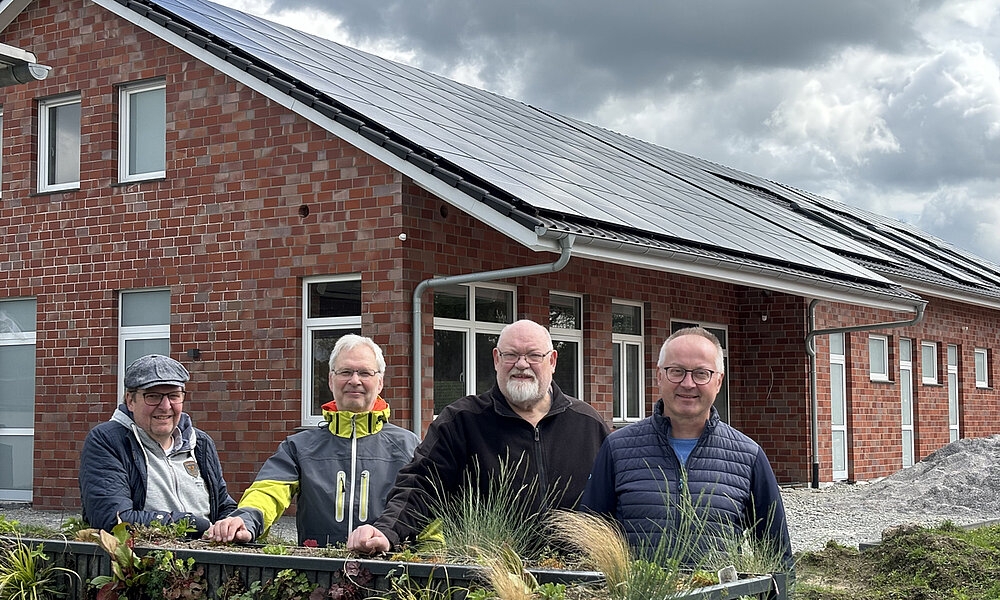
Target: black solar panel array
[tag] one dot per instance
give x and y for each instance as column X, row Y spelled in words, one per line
column 556, row 166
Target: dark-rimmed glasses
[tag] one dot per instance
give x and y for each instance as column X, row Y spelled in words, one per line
column 154, row 398
column 677, row 375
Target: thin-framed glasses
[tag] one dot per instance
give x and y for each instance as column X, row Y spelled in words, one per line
column 154, row 398
column 511, row 358
column 363, row 374
column 677, row 375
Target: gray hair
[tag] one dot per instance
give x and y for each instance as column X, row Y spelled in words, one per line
column 720, row 363
column 351, row 341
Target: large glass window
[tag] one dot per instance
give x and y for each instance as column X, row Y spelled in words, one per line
column 982, row 368
column 838, row 405
column 467, row 324
column 953, row 388
column 878, row 358
column 59, row 144
column 566, row 327
column 719, row 331
column 17, row 398
column 906, row 399
column 928, row 362
column 142, row 131
column 628, row 387
column 332, row 309
column 143, row 328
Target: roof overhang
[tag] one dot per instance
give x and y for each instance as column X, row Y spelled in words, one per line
column 926, row 289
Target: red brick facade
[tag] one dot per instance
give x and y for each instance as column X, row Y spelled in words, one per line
column 256, row 198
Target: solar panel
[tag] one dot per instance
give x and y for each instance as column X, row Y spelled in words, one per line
column 549, row 162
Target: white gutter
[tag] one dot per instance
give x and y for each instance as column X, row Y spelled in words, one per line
column 918, row 308
column 566, row 244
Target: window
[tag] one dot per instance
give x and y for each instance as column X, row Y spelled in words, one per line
column 928, row 362
column 720, row 332
column 143, row 328
column 142, row 132
column 953, row 386
column 467, row 324
column 838, row 405
column 17, row 398
column 982, row 368
column 59, row 144
column 332, row 308
column 566, row 327
column 628, row 391
column 1, row 146
column 878, row 358
column 906, row 398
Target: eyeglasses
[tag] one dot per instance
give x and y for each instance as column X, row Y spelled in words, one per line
column 363, row 374
column 511, row 358
column 699, row 376
column 155, row 398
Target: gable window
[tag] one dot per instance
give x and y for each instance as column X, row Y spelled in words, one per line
column 878, row 358
column 143, row 328
column 17, row 398
column 628, row 387
column 467, row 324
column 982, row 368
column 59, row 144
column 566, row 327
column 142, row 132
column 928, row 363
column 332, row 309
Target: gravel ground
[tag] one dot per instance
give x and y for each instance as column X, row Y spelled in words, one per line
column 960, row 482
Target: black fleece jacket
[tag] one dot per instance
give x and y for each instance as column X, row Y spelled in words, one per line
column 474, row 435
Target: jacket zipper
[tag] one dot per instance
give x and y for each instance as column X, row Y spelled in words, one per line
column 354, row 466
column 543, row 483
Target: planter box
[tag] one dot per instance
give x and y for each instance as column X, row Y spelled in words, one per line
column 89, row 560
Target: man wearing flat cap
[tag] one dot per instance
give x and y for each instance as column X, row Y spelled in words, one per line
column 149, row 463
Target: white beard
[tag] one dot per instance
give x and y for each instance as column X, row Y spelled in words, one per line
column 523, row 393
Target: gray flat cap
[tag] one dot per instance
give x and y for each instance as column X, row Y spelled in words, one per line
column 153, row 370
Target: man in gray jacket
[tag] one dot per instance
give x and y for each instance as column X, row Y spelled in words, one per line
column 148, row 463
column 341, row 471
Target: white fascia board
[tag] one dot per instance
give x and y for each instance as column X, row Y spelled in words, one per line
column 924, row 288
column 9, row 10
column 744, row 275
column 505, row 225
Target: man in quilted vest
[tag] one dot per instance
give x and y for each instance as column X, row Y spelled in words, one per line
column 653, row 475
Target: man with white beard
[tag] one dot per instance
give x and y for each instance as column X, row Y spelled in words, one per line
column 549, row 439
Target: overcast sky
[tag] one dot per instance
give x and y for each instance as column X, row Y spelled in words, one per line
column 890, row 105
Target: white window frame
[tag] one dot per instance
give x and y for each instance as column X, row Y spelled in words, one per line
column 571, row 335
column 906, row 375
column 141, row 332
column 309, row 325
column 874, row 375
column 44, row 108
column 24, row 338
column 124, row 123
column 471, row 327
column 625, row 341
column 931, row 379
column 839, row 359
column 982, row 377
column 2, row 149
column 954, row 388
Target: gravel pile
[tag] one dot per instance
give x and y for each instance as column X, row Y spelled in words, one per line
column 960, row 483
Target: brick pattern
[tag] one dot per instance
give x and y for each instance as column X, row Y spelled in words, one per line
column 228, row 233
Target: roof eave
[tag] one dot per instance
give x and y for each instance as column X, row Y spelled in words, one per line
column 694, row 265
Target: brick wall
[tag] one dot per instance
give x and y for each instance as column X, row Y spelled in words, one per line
column 256, row 199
